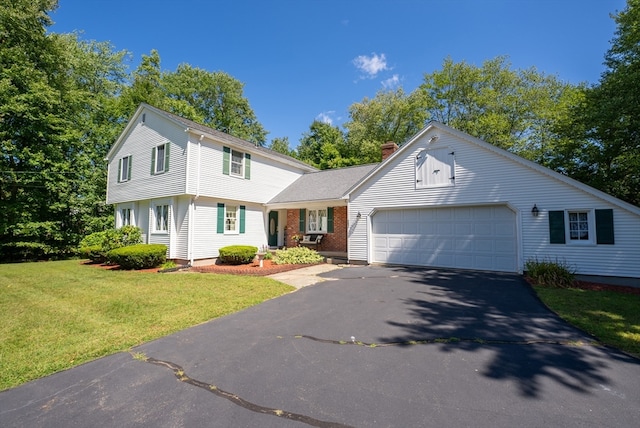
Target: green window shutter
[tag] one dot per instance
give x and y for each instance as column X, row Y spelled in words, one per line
column 302, row 228
column 330, row 219
column 153, row 161
column 243, row 218
column 556, row 227
column 119, row 169
column 247, row 166
column 604, row 227
column 129, row 171
column 166, row 157
column 226, row 154
column 220, row 228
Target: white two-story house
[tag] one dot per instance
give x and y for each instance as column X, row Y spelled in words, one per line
column 195, row 189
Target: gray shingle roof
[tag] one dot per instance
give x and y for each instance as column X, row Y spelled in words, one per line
column 323, row 185
column 230, row 139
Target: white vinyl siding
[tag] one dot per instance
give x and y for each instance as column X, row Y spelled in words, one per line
column 483, row 175
column 206, row 177
column 139, row 143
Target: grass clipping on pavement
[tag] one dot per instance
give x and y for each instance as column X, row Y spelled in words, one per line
column 56, row 315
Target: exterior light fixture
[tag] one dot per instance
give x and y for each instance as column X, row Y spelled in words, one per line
column 359, row 215
column 535, row 211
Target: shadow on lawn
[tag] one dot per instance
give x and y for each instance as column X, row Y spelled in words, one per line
column 490, row 311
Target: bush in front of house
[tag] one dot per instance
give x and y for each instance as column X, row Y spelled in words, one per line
column 550, row 273
column 138, row 256
column 297, row 256
column 96, row 245
column 237, row 254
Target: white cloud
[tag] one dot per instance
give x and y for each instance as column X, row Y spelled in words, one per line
column 371, row 65
column 325, row 117
column 391, row 82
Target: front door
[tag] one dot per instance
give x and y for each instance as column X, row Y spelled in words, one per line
column 273, row 228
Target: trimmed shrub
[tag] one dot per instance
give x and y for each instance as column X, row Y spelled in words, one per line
column 237, row 254
column 139, row 256
column 550, row 273
column 96, row 245
column 297, row 256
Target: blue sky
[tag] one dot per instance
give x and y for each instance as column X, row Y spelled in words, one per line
column 302, row 60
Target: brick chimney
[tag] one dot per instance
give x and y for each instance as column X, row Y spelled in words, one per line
column 388, row 149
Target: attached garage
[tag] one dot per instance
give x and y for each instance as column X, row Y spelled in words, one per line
column 476, row 237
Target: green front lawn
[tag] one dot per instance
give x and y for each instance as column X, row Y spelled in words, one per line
column 56, row 315
column 614, row 318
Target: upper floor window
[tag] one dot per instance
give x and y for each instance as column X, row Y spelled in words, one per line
column 160, row 159
column 435, row 168
column 236, row 163
column 124, row 169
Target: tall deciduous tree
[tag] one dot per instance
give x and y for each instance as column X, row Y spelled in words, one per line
column 606, row 129
column 517, row 110
column 323, row 146
column 389, row 116
column 281, row 145
column 48, row 90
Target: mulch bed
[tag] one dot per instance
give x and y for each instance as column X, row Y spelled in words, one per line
column 595, row 286
column 253, row 269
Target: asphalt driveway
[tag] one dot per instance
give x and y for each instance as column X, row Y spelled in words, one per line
column 371, row 346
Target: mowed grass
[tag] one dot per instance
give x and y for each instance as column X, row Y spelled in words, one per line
column 613, row 318
column 56, row 315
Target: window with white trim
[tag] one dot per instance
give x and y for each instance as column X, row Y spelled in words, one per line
column 435, row 168
column 317, row 220
column 579, row 226
column 231, row 219
column 125, row 217
column 237, row 163
column 124, row 169
column 161, row 220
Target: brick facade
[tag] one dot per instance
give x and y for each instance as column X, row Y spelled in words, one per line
column 336, row 241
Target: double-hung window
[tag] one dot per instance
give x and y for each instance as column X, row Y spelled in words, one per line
column 161, row 213
column 124, row 169
column 231, row 219
column 125, row 217
column 236, row 163
column 584, row 226
column 160, row 159
column 579, row 226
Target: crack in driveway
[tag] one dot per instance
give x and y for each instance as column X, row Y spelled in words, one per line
column 235, row 399
column 450, row 340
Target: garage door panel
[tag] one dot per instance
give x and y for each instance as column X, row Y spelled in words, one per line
column 467, row 237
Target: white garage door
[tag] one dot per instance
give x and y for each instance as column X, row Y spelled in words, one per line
column 463, row 237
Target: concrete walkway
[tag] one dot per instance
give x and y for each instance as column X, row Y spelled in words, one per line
column 306, row 276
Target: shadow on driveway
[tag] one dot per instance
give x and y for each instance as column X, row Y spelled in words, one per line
column 474, row 311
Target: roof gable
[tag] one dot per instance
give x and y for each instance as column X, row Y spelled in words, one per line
column 436, row 128
column 199, row 129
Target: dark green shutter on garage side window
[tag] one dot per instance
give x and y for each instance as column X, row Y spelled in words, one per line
column 220, row 228
column 129, row 171
column 302, row 228
column 243, row 217
column 556, row 227
column 330, row 219
column 119, row 170
column 247, row 166
column 226, row 155
column 604, row 227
